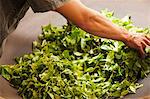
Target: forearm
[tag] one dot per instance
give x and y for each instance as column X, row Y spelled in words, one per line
column 92, row 21
column 98, row 25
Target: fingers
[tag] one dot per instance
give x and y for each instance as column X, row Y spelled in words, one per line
column 148, row 37
column 145, row 43
column 142, row 52
column 141, row 49
column 140, row 42
column 147, row 40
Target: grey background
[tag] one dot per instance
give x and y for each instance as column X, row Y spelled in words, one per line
column 20, row 41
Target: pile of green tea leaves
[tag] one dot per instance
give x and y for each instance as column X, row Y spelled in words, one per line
column 68, row 63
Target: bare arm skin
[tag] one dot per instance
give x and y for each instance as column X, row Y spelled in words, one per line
column 96, row 24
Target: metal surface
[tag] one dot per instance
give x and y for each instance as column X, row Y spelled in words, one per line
column 20, row 41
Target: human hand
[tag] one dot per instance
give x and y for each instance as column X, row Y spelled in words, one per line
column 138, row 41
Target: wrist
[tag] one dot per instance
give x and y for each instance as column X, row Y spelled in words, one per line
column 126, row 36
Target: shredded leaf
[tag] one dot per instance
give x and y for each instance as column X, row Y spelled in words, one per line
column 68, row 63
